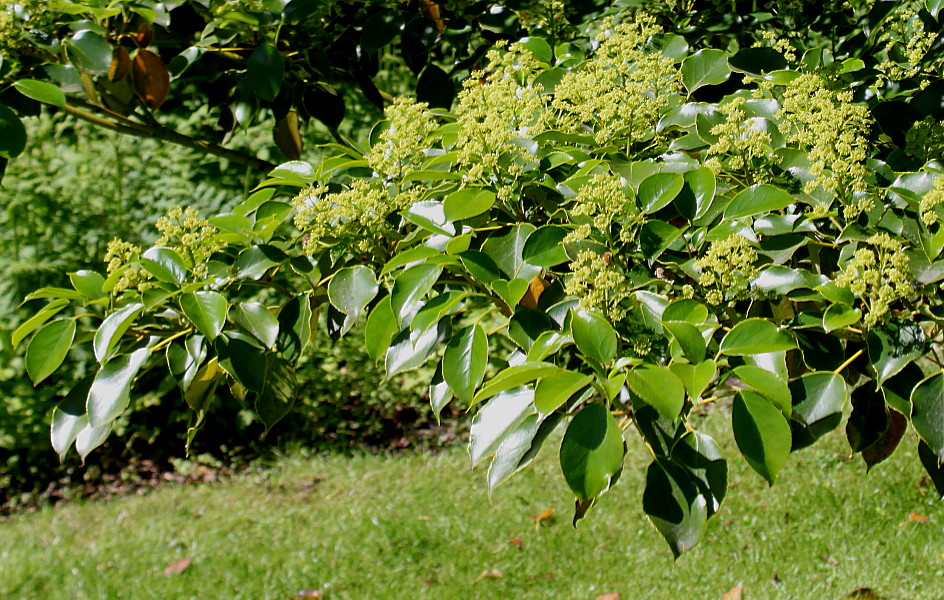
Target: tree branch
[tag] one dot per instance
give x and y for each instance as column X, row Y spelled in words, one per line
column 124, row 126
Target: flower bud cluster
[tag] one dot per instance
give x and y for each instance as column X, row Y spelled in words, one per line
column 403, row 139
column 931, row 204
column 190, row 236
column 740, row 139
column 599, row 284
column 727, row 269
column 878, row 275
column 604, row 201
column 123, row 256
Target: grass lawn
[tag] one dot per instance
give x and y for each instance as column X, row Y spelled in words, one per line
column 422, row 527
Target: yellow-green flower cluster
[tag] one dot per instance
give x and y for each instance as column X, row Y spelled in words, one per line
column 739, row 137
column 783, row 46
column 498, row 113
column 401, row 144
column 619, row 93
column 834, row 132
column 604, row 200
column 905, row 34
column 727, row 269
column 123, row 256
column 925, row 139
column 356, row 216
column 191, row 236
column 599, row 284
column 878, row 275
column 932, row 202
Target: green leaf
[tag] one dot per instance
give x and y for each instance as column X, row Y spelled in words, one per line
column 758, row 61
column 278, row 394
column 206, row 310
column 165, row 264
column 657, row 191
column 380, row 329
column 410, row 287
column 464, row 361
column 544, row 247
column 705, row 67
column 927, row 413
column 69, row 418
column 817, row 396
column 507, row 250
column 674, row 505
column 781, row 280
column 467, row 202
column 352, row 289
column 200, row 388
column 440, row 394
column 762, row 434
column 591, row 453
column 932, row 465
column 689, row 311
column 515, row 376
column 552, row 391
column 755, row 336
column 89, row 52
column 480, row 266
column 30, row 325
column 513, row 449
column 243, row 361
column 756, row 200
column 497, row 419
column 431, row 216
column 413, row 255
column 695, row 198
column 769, row 384
column 110, row 392
column 934, row 6
column 112, row 328
column 12, row 134
column 48, row 349
column 253, row 263
column 658, row 387
column 256, row 319
column 380, row 29
column 294, row 327
column 539, row 49
column 702, row 457
column 410, row 349
column 90, row 438
column 840, row 316
column 511, row 292
column 695, row 377
column 41, row 91
column 689, row 339
column 893, row 345
column 88, row 283
column 593, row 335
column 265, row 69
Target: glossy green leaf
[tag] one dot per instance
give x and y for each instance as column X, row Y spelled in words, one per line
column 199, row 390
column 507, row 252
column 656, row 237
column 380, row 329
column 932, row 465
column 544, row 247
column 548, row 343
column 699, row 453
column 591, row 453
column 352, row 289
column 934, row 6
column 258, row 320
column 69, row 417
column 768, row 384
column 265, row 69
column 12, row 134
column 440, row 394
column 657, row 191
column 695, row 377
column 674, row 504
column 658, row 387
column 689, row 311
column 90, row 438
column 277, row 396
column 840, row 316
column 89, row 52
column 88, row 283
column 689, row 339
column 48, row 349
column 110, row 392
column 410, row 287
column 513, row 449
column 41, row 91
column 112, row 328
column 513, row 377
column 593, row 335
column 467, row 202
column 243, row 361
column 758, row 199
column 697, row 195
column 893, row 345
column 755, row 336
column 480, row 266
column 30, row 325
column 206, row 310
column 817, row 396
column 380, row 29
column 255, row 262
column 511, row 292
column 780, row 280
column 927, row 412
column 464, row 361
column 410, row 349
column 497, row 419
column 413, row 255
column 552, row 391
column 762, row 434
column 705, row 67
column 165, row 264
column 294, row 327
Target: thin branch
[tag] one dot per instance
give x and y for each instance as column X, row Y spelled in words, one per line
column 128, row 127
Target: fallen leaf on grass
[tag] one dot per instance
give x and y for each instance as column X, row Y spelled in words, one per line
column 544, row 516
column 489, row 574
column 515, row 541
column 863, row 594
column 308, row 594
column 735, row 593
column 918, row 518
column 829, row 559
column 177, row 567
column 613, row 596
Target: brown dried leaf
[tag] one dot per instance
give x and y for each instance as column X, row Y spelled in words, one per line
column 515, row 541
column 535, row 289
column 308, row 594
column 538, row 519
column 430, row 10
column 613, row 596
column 489, row 574
column 735, row 593
column 151, row 78
column 120, row 64
column 145, row 35
column 915, row 517
column 177, row 567
column 287, row 137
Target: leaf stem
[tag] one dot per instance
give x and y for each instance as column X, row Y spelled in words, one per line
column 849, row 361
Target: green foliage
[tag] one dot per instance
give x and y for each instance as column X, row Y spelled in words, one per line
column 722, row 217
